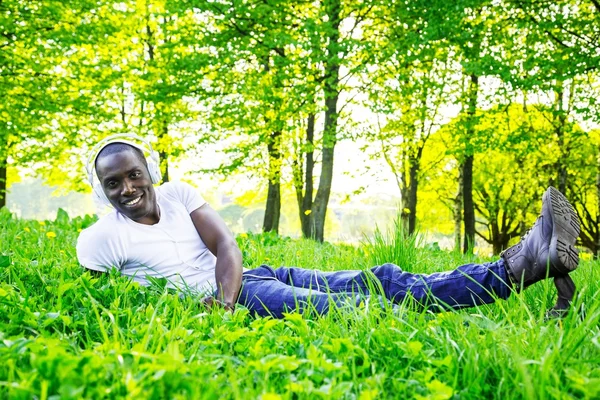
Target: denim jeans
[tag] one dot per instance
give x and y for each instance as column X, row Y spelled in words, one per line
column 267, row 291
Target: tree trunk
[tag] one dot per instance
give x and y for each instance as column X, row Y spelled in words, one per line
column 4, row 150
column 164, row 165
column 3, row 168
column 303, row 179
column 498, row 246
column 305, row 206
column 164, row 154
column 560, row 120
column 319, row 208
column 331, row 83
column 412, row 193
column 457, row 212
column 404, row 193
column 497, row 238
column 597, row 249
column 273, row 206
column 499, row 242
column 469, row 208
column 164, row 129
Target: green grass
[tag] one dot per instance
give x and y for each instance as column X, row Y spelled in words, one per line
column 67, row 334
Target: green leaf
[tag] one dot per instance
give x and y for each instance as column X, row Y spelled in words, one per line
column 4, row 261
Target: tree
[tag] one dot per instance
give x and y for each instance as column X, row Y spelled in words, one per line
column 568, row 31
column 510, row 174
column 417, row 93
column 584, row 189
column 34, row 36
column 467, row 28
column 76, row 77
column 165, row 65
column 55, row 68
column 510, row 171
column 409, row 82
column 559, row 44
column 258, row 91
column 296, row 52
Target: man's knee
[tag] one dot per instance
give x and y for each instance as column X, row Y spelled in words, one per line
column 387, row 270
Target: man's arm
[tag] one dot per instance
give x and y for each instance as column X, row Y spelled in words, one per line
column 221, row 243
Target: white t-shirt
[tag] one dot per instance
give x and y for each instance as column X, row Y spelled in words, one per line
column 170, row 249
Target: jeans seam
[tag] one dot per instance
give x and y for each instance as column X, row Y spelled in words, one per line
column 421, row 281
column 258, row 277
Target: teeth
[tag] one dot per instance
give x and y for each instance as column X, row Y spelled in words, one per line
column 134, row 201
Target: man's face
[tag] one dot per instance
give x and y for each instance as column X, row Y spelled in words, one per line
column 127, row 185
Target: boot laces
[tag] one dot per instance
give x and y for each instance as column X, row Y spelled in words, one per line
column 531, row 228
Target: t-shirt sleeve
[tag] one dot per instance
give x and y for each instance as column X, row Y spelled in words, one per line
column 187, row 195
column 99, row 252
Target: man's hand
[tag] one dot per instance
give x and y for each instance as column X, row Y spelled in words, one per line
column 212, row 302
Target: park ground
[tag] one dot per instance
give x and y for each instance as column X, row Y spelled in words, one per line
column 66, row 334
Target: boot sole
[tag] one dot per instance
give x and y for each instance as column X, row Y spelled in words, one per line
column 565, row 230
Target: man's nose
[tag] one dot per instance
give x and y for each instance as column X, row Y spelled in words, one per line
column 128, row 188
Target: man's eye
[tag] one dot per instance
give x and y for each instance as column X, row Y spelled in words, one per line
column 136, row 174
column 111, row 184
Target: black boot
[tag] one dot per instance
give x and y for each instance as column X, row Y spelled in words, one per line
column 548, row 248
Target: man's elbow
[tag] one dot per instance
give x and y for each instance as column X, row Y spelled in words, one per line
column 229, row 246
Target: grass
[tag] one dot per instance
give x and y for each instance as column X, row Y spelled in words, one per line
column 67, row 334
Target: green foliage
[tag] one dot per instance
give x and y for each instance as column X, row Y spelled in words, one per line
column 395, row 246
column 242, row 79
column 69, row 334
column 518, row 154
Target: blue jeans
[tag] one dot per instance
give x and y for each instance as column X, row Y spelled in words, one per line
column 266, row 291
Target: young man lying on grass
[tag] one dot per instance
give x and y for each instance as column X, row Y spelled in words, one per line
column 171, row 232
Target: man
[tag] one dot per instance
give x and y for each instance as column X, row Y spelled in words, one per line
column 171, row 232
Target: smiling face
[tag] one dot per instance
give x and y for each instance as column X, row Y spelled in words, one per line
column 126, row 182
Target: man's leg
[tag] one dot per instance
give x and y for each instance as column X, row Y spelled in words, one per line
column 547, row 250
column 466, row 286
column 269, row 292
column 287, row 288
